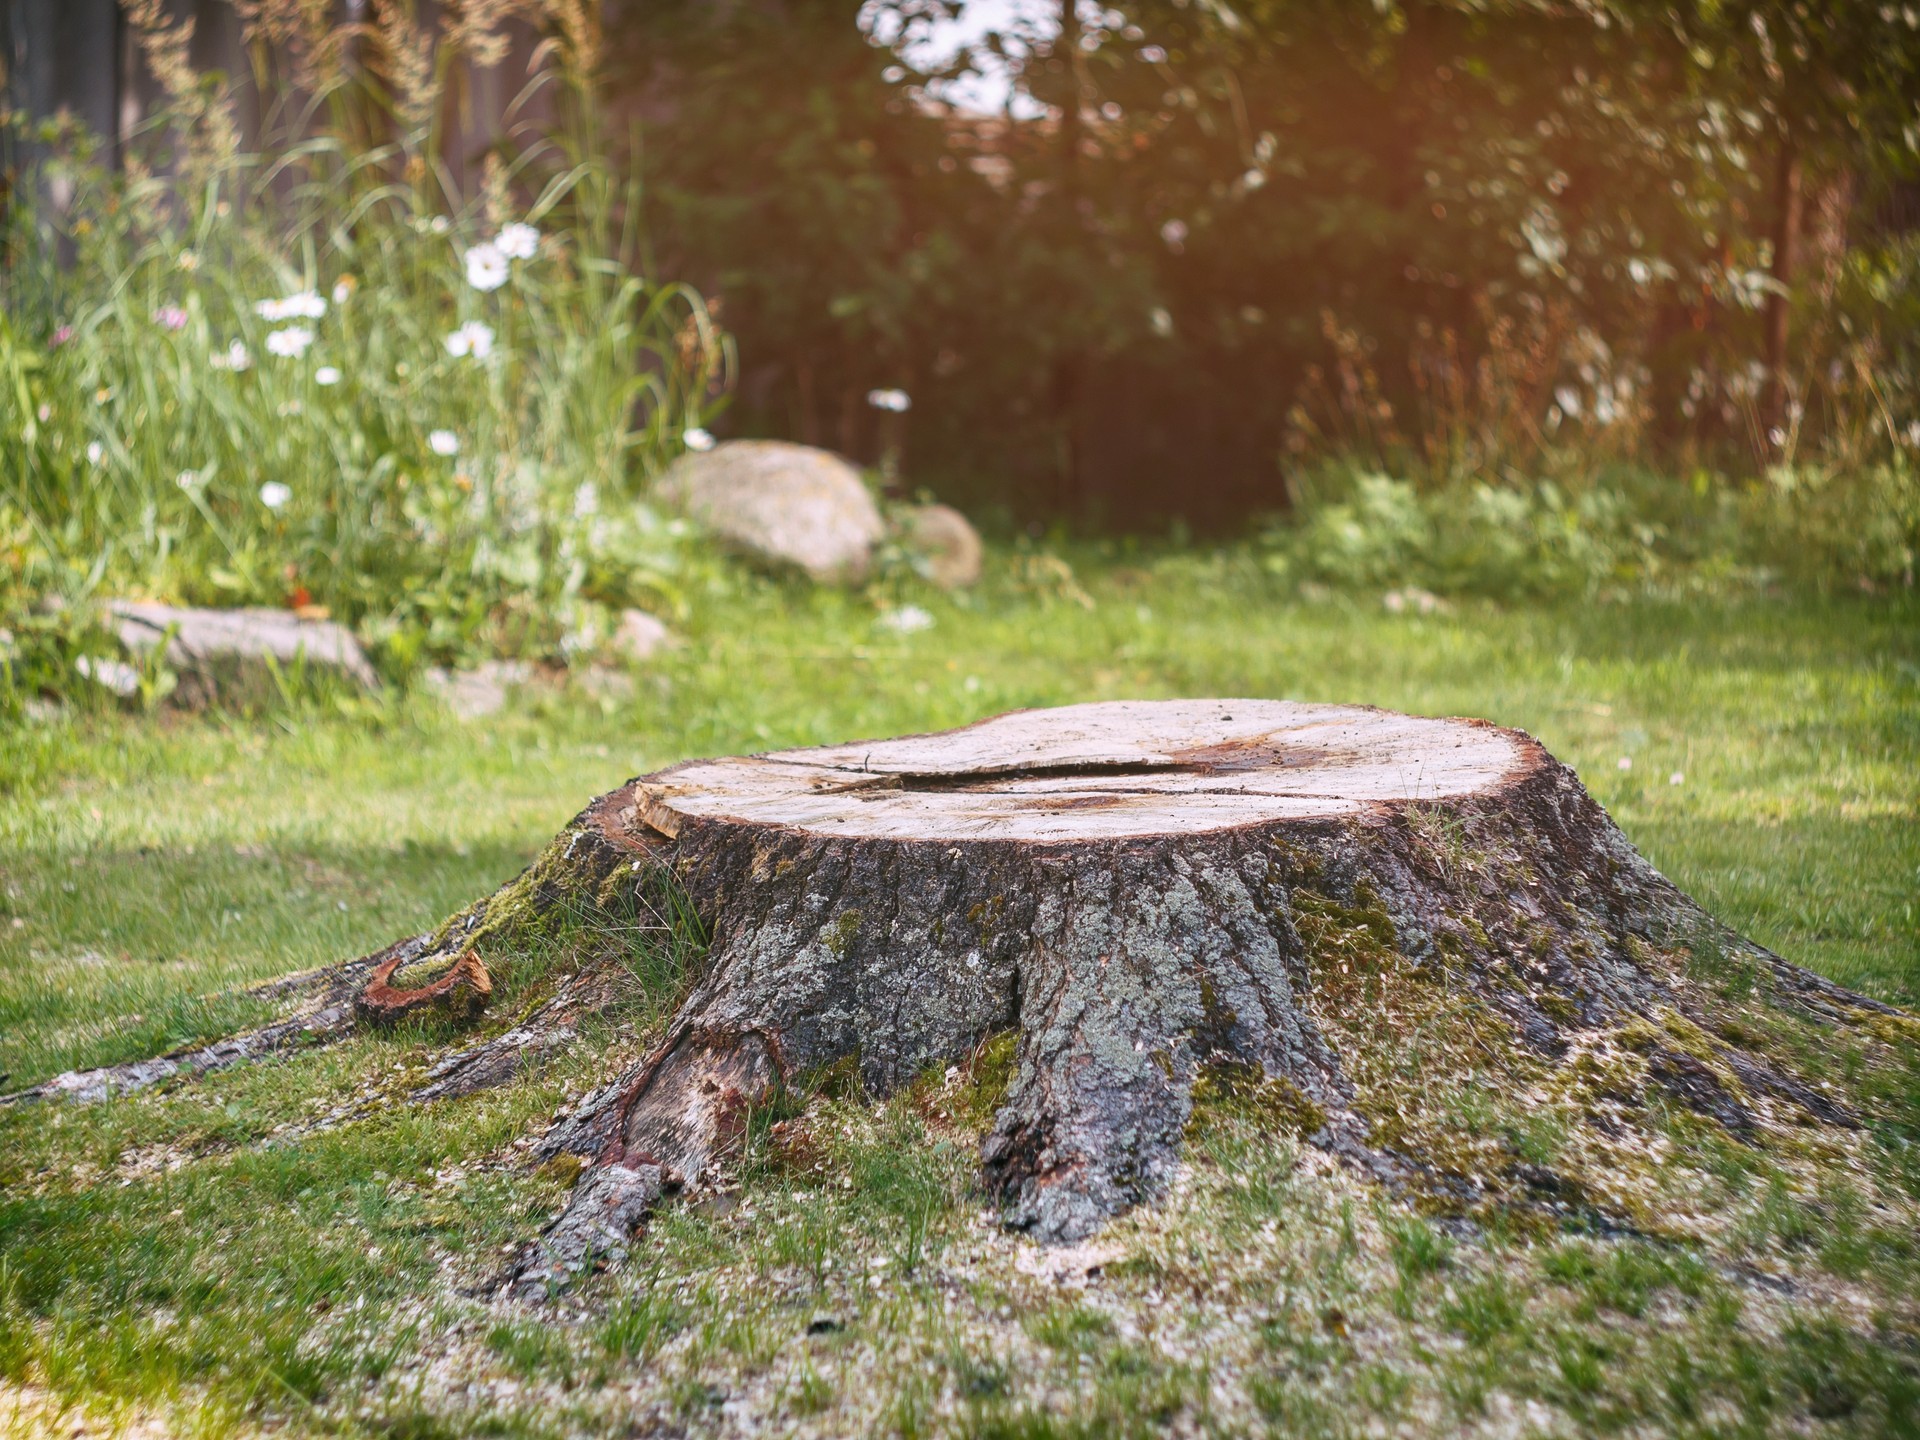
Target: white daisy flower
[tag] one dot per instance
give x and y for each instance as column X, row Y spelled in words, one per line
column 96, row 452
column 443, row 442
column 305, row 305
column 290, row 342
column 473, row 339
column 273, row 494
column 486, row 267
column 517, row 241
column 697, row 439
column 326, row 375
column 234, row 358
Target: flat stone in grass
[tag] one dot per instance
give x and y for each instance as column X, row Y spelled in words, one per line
column 482, row 691
column 786, row 506
column 216, row 650
column 604, row 683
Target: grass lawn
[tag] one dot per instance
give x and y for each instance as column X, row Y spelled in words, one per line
column 203, row 1259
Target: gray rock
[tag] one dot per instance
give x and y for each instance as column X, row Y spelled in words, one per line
column 944, row 545
column 603, row 682
column 640, row 636
column 216, row 646
column 479, row 692
column 781, row 504
column 115, row 675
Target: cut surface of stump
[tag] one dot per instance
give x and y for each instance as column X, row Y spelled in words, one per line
column 1416, row 944
column 1093, row 773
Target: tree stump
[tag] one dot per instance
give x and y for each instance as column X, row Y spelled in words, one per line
column 1338, row 915
column 1417, row 944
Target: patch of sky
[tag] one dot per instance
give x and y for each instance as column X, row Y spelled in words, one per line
column 931, row 38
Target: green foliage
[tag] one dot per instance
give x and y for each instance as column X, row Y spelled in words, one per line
column 1207, row 248
column 1829, row 524
column 1484, row 1311
column 639, row 1325
column 1242, row 1091
column 1813, row 525
column 1071, row 1328
column 907, row 1181
column 988, row 1073
column 895, row 264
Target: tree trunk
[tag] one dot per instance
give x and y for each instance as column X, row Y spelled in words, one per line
column 1066, row 382
column 1786, row 242
column 1418, row 944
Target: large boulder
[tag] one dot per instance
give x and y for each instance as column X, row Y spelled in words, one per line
column 227, row 652
column 781, row 504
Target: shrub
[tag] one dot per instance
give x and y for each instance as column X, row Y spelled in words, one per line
column 1823, row 523
column 1471, row 537
column 1818, row 526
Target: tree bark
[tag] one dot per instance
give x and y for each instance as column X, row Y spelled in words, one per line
column 1786, row 243
column 1414, row 943
column 1067, row 381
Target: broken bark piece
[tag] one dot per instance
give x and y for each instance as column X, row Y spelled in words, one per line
column 460, row 991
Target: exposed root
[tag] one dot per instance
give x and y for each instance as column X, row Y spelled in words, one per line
column 577, row 869
column 606, row 1207
column 548, row 1028
column 680, row 1114
column 327, row 1016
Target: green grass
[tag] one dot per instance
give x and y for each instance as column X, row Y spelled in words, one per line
column 187, row 1254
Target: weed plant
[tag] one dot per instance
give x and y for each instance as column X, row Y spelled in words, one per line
column 319, row 374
